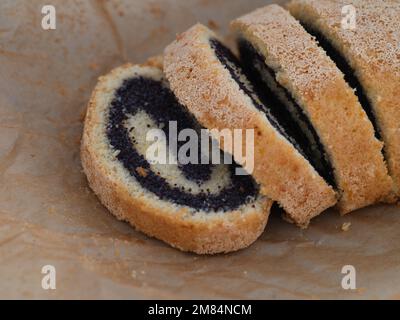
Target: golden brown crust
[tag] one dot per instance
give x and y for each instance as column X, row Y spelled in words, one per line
column 209, row 234
column 319, row 88
column 207, row 89
column 373, row 52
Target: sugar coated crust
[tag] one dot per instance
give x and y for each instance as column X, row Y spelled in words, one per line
column 373, row 52
column 207, row 89
column 198, row 232
column 319, row 88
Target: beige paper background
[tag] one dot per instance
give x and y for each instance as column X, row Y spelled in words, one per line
column 49, row 216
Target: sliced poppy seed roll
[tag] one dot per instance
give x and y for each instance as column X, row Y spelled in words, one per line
column 282, row 56
column 209, row 80
column 205, row 209
column 368, row 53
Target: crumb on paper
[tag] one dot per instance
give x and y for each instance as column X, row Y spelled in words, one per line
column 93, row 66
column 156, row 11
column 61, row 90
column 213, row 25
column 346, row 226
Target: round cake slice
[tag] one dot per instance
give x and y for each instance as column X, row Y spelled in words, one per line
column 208, row 79
column 362, row 37
column 206, row 209
column 279, row 54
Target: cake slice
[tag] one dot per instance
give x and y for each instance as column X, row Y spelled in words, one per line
column 368, row 55
column 208, row 79
column 205, row 209
column 281, row 56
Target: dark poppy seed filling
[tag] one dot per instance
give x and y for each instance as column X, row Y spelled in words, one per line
column 257, row 80
column 153, row 97
column 349, row 75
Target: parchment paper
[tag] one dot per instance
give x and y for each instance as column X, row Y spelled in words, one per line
column 48, row 216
